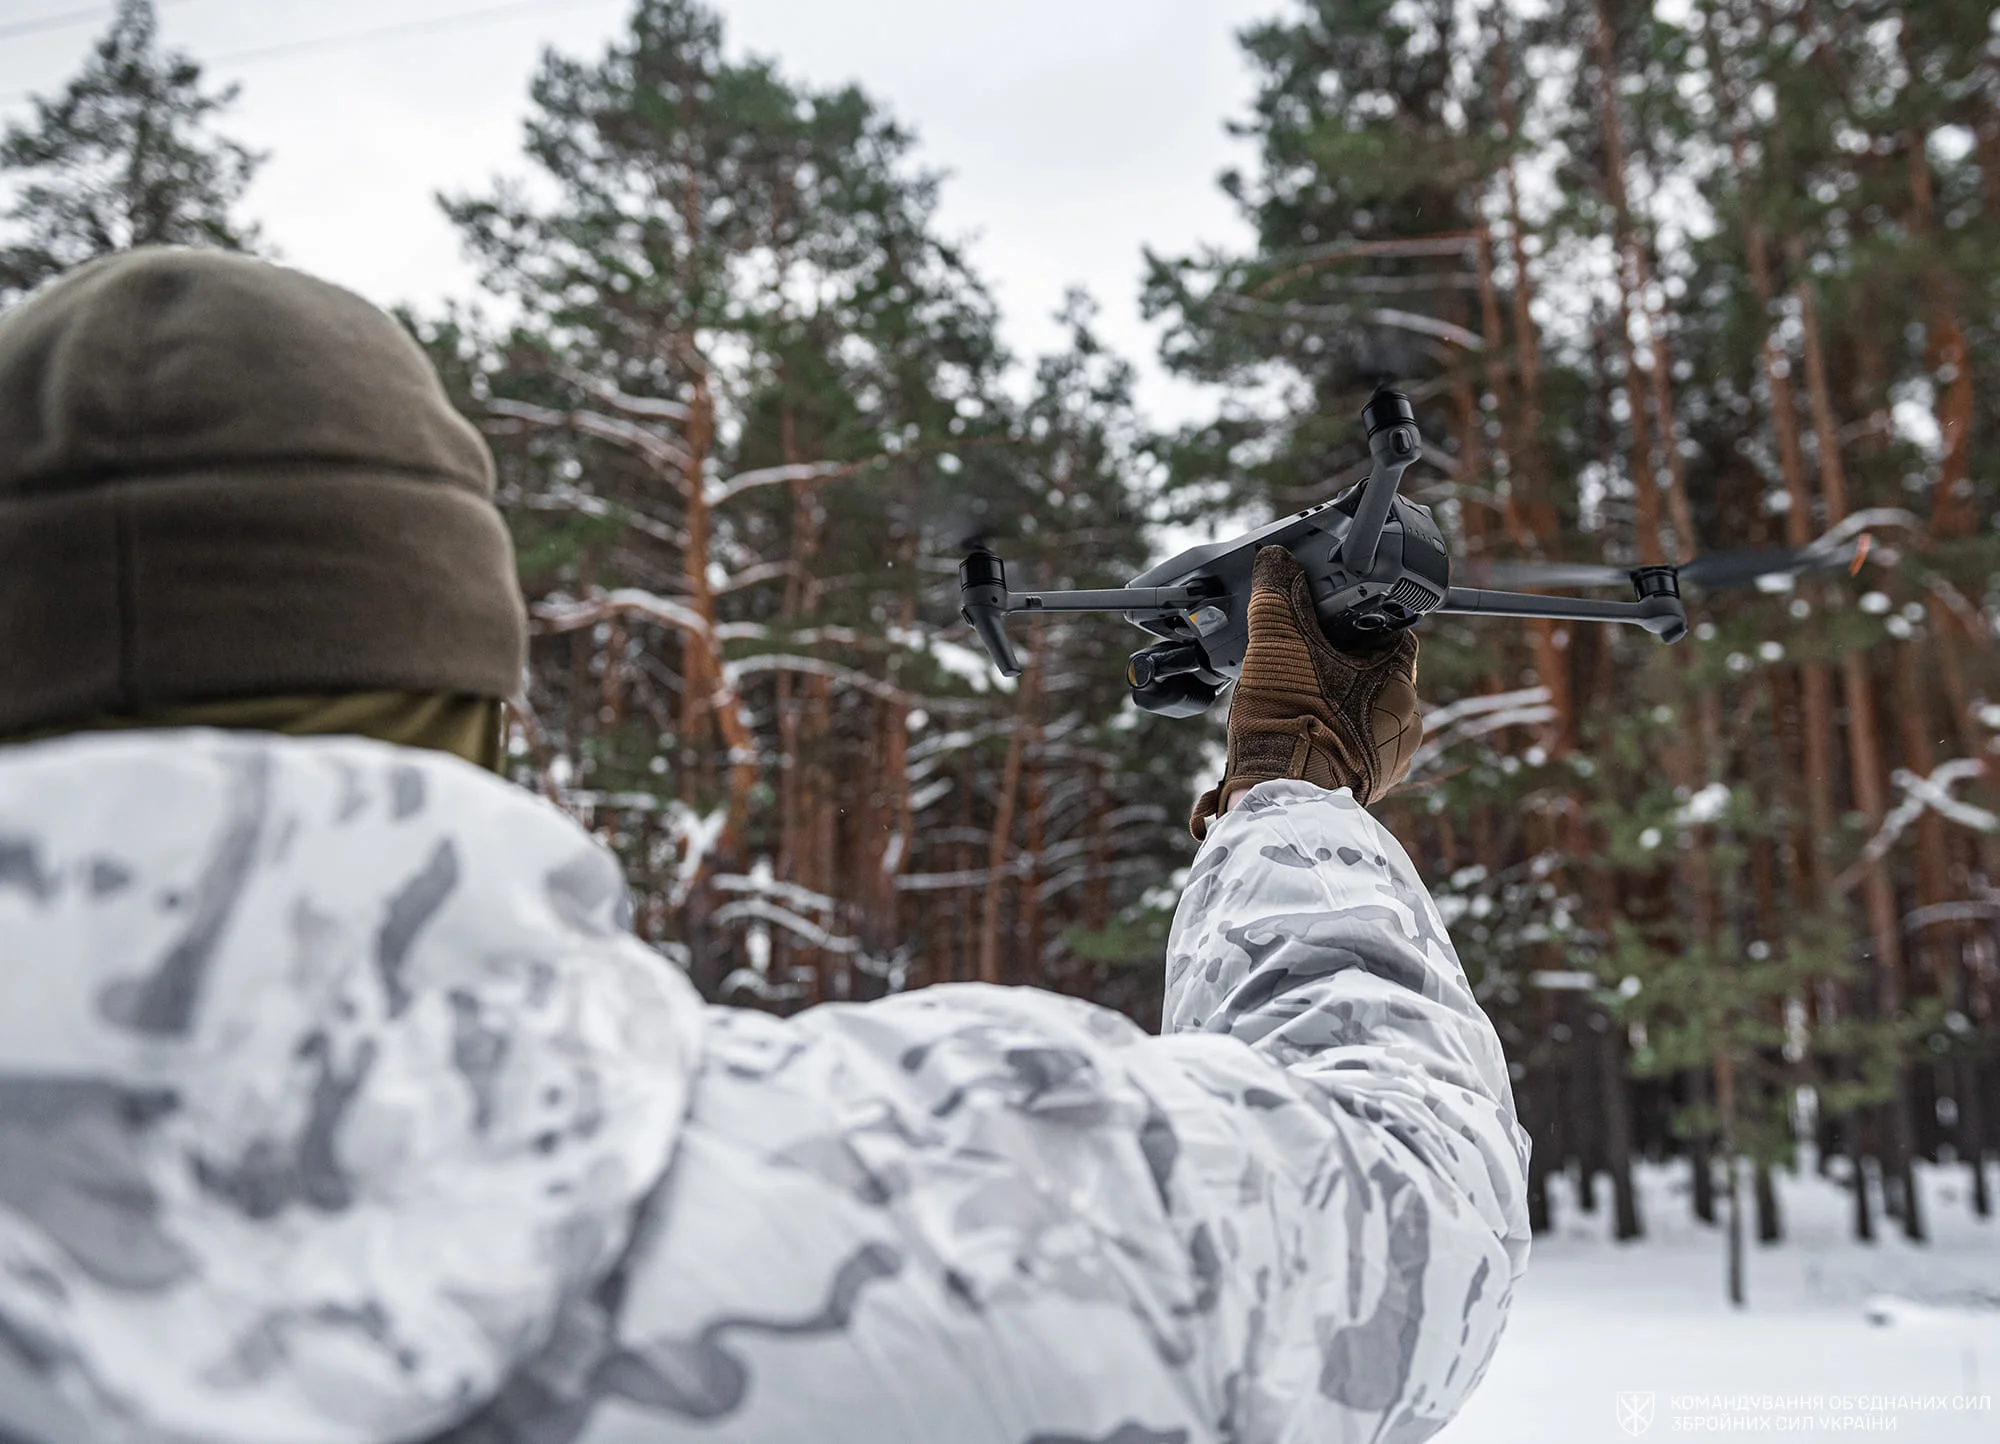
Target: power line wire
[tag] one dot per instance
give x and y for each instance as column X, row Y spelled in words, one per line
column 50, row 22
column 456, row 21
column 66, row 18
column 407, row 27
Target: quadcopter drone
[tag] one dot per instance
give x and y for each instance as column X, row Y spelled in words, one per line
column 1376, row 564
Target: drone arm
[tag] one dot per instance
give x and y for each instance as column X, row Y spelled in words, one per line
column 990, row 619
column 1393, row 445
column 1142, row 601
column 985, row 602
column 1662, row 615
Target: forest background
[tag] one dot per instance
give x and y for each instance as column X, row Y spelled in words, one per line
column 1659, row 277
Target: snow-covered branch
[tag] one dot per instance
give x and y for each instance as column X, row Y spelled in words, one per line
column 749, row 980
column 763, row 910
column 1427, row 326
column 1448, row 243
column 763, row 884
column 1381, row 316
column 1461, row 721
column 651, row 407
column 791, row 662
column 1919, row 793
column 1964, row 910
column 756, row 575
column 718, row 492
column 571, row 616
column 1869, row 519
column 664, row 453
column 569, row 498
column 1439, row 719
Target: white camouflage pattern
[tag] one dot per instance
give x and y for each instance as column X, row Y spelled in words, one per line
column 337, row 1104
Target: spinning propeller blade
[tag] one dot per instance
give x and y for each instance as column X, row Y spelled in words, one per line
column 1710, row 571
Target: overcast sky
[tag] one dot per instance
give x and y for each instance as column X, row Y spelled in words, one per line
column 1074, row 131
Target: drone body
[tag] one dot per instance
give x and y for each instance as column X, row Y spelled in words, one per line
column 1376, row 564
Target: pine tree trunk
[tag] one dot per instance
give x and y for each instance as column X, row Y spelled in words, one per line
column 1870, row 792
column 1537, row 1097
column 1913, row 721
column 1879, row 903
column 1701, row 1154
column 1972, row 1132
column 964, row 934
column 1858, row 1138
column 798, row 804
column 1586, row 1105
column 1816, row 702
column 1815, row 681
column 1097, row 889
column 1523, row 507
column 709, row 693
column 1029, row 908
column 1725, row 1107
column 1952, row 516
column 1000, row 851
column 1616, row 1104
column 884, row 925
column 1770, row 1226
column 1645, row 484
column 1527, row 342
column 1950, row 361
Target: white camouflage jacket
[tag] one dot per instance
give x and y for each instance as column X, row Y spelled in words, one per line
column 337, row 1104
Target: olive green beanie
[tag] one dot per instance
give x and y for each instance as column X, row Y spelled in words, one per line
column 222, row 478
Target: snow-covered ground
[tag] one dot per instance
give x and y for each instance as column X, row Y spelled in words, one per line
column 1838, row 1340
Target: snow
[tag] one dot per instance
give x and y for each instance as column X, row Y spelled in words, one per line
column 1705, row 806
column 1837, row 1340
column 1913, row 413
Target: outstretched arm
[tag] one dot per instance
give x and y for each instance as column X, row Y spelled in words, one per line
column 999, row 1216
column 1373, row 1097
column 1378, row 1278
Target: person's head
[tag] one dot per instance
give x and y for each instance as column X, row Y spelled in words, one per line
column 234, row 495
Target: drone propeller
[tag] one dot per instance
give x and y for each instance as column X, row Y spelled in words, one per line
column 1710, row 571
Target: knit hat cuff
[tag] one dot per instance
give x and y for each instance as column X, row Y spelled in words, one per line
column 248, row 580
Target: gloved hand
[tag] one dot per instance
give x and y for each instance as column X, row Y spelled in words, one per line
column 1305, row 709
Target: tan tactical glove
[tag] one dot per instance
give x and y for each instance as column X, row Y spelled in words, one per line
column 1305, row 709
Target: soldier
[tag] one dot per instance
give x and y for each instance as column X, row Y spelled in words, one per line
column 338, row 1103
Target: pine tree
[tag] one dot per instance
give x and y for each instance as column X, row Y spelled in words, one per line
column 752, row 408
column 126, row 155
column 1750, row 268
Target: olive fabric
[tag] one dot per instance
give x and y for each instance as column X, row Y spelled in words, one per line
column 1305, row 709
column 468, row 727
column 220, row 478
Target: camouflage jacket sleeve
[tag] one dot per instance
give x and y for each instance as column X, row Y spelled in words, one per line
column 1398, row 1213
column 999, row 1216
